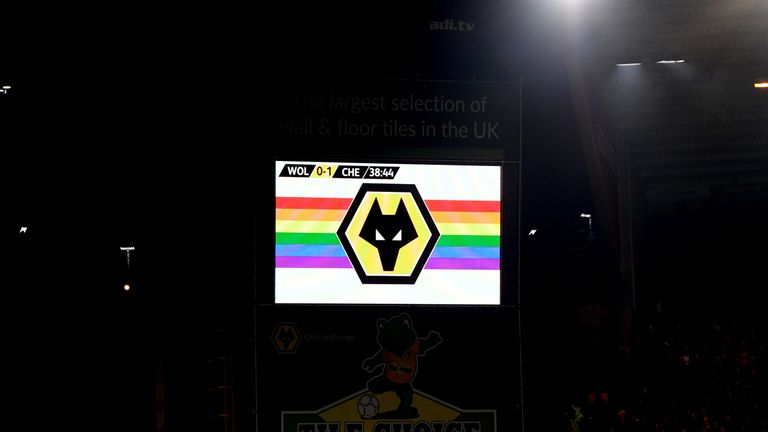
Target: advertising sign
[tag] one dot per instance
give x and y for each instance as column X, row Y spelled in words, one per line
column 387, row 369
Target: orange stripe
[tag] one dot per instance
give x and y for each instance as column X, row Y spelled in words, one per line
column 466, row 217
column 309, row 214
column 313, row 203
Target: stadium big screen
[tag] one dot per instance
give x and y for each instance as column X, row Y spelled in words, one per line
column 355, row 232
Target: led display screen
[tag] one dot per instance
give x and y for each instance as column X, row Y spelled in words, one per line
column 388, row 233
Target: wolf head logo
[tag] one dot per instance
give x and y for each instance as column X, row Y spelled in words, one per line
column 388, row 233
column 286, row 336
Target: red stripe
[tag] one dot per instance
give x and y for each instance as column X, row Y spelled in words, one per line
column 313, row 203
column 463, row 206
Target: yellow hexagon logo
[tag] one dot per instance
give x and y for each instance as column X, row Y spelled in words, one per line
column 286, row 337
column 388, row 233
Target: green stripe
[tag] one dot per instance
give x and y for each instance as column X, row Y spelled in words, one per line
column 306, row 238
column 459, row 240
column 331, row 239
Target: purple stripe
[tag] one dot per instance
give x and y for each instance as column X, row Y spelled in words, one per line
column 312, row 262
column 462, row 264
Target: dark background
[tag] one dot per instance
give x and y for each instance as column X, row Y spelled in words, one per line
column 141, row 127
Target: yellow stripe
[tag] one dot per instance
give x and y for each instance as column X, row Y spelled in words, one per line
column 469, row 229
column 466, row 217
column 307, row 226
column 309, row 214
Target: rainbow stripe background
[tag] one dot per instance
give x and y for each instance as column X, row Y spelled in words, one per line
column 305, row 233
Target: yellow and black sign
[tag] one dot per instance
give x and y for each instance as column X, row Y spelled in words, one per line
column 352, row 414
column 388, row 233
column 286, row 337
column 403, row 369
column 389, row 403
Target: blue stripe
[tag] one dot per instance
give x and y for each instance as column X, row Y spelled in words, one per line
column 309, row 250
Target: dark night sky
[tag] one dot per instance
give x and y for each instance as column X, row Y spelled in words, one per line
column 142, row 126
column 142, row 129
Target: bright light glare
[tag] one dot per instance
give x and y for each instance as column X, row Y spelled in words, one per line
column 628, row 64
column 573, row 6
column 763, row 84
column 532, row 232
column 126, row 287
column 23, row 230
column 670, row 61
column 585, row 215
